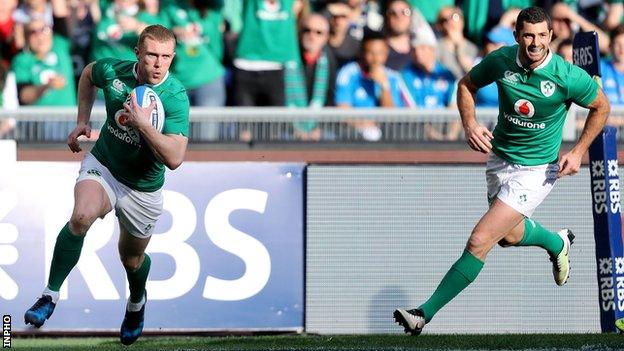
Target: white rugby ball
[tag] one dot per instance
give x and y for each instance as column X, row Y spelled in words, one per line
column 145, row 95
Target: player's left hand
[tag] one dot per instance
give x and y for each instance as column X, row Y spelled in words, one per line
column 569, row 164
column 138, row 117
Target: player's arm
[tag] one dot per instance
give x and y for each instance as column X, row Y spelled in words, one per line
column 477, row 136
column 168, row 148
column 86, row 96
column 599, row 109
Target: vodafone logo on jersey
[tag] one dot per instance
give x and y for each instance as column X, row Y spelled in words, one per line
column 524, row 108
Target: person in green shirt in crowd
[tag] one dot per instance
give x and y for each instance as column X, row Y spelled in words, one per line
column 536, row 88
column 483, row 15
column 197, row 25
column 44, row 74
column 125, row 170
column 118, row 31
column 267, row 42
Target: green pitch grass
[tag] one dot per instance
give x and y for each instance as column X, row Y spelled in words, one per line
column 602, row 342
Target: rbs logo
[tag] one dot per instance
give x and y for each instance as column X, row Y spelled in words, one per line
column 599, row 186
column 184, row 222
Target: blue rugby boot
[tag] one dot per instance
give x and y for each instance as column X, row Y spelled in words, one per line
column 40, row 311
column 132, row 325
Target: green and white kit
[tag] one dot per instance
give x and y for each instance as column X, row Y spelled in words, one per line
column 121, row 161
column 533, row 105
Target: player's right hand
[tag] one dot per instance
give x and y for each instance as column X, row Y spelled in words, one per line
column 72, row 139
column 478, row 138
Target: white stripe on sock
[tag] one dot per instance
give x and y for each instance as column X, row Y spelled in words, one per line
column 53, row 294
column 135, row 307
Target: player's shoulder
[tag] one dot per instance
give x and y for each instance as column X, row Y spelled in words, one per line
column 23, row 58
column 347, row 73
column 114, row 64
column 173, row 89
column 564, row 69
column 505, row 52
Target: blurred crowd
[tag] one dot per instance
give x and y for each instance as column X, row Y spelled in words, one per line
column 294, row 53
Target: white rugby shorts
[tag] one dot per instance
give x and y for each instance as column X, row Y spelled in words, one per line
column 136, row 210
column 521, row 187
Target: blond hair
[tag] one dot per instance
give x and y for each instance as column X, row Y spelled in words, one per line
column 157, row 33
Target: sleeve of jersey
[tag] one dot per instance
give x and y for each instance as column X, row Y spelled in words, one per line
column 482, row 74
column 102, row 72
column 397, row 93
column 343, row 90
column 582, row 89
column 177, row 115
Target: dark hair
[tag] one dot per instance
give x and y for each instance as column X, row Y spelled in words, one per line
column 619, row 30
column 156, row 32
column 532, row 15
column 370, row 34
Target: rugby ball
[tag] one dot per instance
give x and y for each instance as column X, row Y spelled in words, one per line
column 145, row 95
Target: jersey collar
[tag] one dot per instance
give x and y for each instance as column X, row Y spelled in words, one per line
column 136, row 75
column 541, row 65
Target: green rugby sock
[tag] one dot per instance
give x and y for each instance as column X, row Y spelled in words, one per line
column 536, row 235
column 138, row 279
column 463, row 272
column 66, row 254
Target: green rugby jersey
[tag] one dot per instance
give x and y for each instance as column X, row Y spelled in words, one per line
column 269, row 31
column 31, row 70
column 120, row 148
column 533, row 104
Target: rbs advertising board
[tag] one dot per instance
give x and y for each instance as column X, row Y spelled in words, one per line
column 227, row 252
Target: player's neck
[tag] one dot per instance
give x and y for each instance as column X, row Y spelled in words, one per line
column 529, row 66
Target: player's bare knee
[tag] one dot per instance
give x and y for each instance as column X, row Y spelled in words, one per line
column 80, row 222
column 479, row 241
column 131, row 263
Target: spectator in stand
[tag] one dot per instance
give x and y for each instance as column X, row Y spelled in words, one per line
column 8, row 49
column 483, row 15
column 319, row 73
column 301, row 9
column 454, row 51
column 267, row 42
column 399, row 41
column 564, row 49
column 613, row 69
column 430, row 9
column 615, row 14
column 495, row 39
column 118, row 32
column 365, row 15
column 29, row 10
column 369, row 83
column 431, row 85
column 398, row 26
column 84, row 16
column 566, row 22
column 197, row 26
column 44, row 74
column 344, row 46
